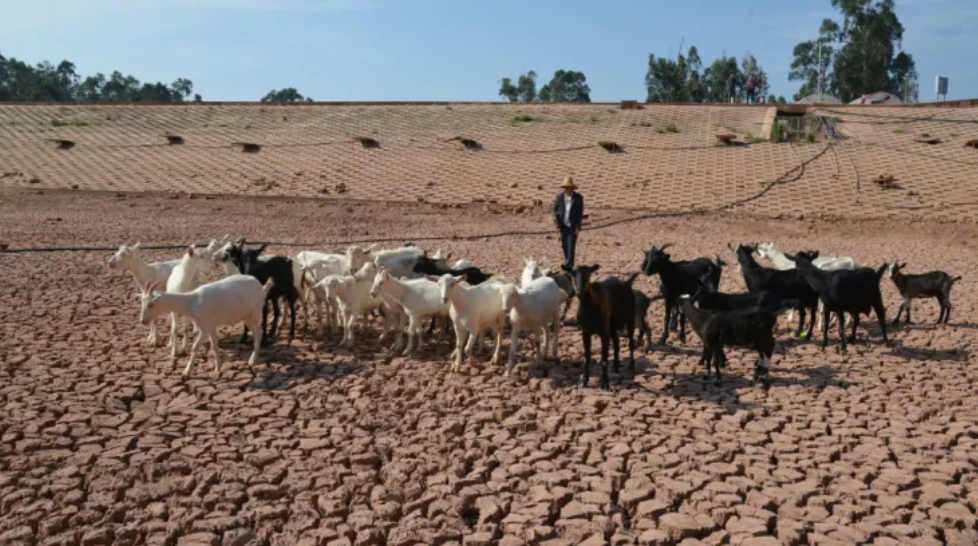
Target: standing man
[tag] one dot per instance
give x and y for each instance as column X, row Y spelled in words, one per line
column 568, row 214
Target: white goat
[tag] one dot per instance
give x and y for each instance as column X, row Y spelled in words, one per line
column 316, row 266
column 127, row 258
column 533, row 308
column 441, row 261
column 184, row 278
column 353, row 294
column 473, row 310
column 778, row 259
column 399, row 261
column 419, row 299
column 531, row 270
column 229, row 301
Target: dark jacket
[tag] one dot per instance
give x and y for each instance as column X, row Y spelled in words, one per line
column 576, row 213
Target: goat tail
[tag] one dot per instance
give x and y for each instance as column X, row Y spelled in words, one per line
column 268, row 286
column 631, row 278
column 956, row 279
column 881, row 270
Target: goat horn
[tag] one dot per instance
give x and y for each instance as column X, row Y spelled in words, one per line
column 665, row 246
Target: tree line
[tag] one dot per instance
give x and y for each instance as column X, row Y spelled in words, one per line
column 860, row 54
column 46, row 82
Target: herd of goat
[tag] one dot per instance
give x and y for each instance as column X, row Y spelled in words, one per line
column 405, row 286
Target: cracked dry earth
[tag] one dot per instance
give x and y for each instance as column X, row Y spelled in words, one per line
column 103, row 444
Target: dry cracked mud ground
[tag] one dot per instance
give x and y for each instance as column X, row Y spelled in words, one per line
column 103, row 444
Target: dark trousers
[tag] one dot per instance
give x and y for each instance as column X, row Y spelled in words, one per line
column 568, row 243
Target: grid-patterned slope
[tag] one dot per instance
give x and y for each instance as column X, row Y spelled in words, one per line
column 523, row 152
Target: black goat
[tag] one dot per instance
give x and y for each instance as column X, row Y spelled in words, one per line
column 709, row 298
column 677, row 278
column 642, row 304
column 605, row 308
column 277, row 268
column 933, row 284
column 853, row 291
column 786, row 285
column 751, row 328
column 473, row 275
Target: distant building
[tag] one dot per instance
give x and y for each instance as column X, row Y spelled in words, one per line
column 816, row 98
column 878, row 98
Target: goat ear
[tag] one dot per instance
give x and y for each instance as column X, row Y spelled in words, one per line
column 146, row 286
column 190, row 251
column 260, row 249
column 136, row 246
column 152, row 287
column 449, row 255
column 595, row 267
column 902, row 265
column 370, row 247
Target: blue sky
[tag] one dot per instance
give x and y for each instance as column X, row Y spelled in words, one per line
column 458, row 50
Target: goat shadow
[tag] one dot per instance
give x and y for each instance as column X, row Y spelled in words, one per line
column 283, row 369
column 898, row 349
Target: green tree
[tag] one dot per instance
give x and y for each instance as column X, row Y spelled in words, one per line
column 719, row 76
column 46, row 82
column 508, row 90
column 748, row 68
column 525, row 89
column 675, row 81
column 813, row 58
column 666, row 80
column 685, row 80
column 696, row 88
column 287, row 94
column 864, row 52
column 566, row 86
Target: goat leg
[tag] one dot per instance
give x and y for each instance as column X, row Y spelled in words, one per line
column 826, row 312
column 719, row 361
column 292, row 321
column 631, row 350
column 586, row 373
column 855, row 324
column 265, row 338
column 665, row 325
column 193, row 354
column 842, row 331
column 903, row 304
column 616, row 348
column 682, row 326
column 881, row 318
column 811, row 322
column 605, row 379
column 567, row 304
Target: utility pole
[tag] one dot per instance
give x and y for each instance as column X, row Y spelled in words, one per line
column 819, row 84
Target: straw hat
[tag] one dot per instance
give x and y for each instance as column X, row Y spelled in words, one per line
column 568, row 183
